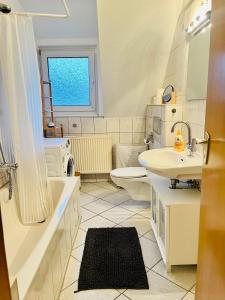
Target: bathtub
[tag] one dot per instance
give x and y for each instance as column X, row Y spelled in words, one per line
column 37, row 255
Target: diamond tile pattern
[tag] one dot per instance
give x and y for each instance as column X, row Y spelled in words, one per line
column 105, row 205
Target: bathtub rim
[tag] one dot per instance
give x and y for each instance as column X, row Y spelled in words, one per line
column 26, row 273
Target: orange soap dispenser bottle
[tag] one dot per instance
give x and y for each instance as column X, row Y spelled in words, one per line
column 179, row 141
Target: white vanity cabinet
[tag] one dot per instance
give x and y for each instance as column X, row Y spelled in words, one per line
column 175, row 222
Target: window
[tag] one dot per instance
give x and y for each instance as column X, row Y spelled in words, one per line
column 73, row 75
column 70, row 80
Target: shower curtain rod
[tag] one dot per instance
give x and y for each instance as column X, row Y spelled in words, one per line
column 32, row 14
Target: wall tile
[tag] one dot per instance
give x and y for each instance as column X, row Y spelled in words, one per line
column 125, row 138
column 201, row 112
column 115, row 137
column 157, row 111
column 139, row 124
column 64, row 122
column 148, row 125
column 100, row 125
column 112, row 124
column 168, row 115
column 87, row 134
column 88, row 178
column 125, row 124
column 176, row 73
column 102, row 177
column 149, row 111
column 74, row 125
column 87, row 125
column 138, row 137
column 191, row 113
column 167, row 138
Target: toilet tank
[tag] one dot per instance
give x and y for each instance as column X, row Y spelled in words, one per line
column 126, row 155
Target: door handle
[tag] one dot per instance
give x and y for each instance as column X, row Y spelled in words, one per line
column 205, row 141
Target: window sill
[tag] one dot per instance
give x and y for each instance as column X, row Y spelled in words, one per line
column 76, row 114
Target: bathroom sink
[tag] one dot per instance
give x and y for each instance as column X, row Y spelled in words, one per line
column 169, row 163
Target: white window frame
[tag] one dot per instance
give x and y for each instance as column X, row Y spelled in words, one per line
column 74, row 51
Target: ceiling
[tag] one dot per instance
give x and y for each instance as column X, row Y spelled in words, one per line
column 81, row 24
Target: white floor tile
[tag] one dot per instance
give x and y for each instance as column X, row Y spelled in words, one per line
column 163, row 286
column 122, row 297
column 98, row 206
column 184, row 276
column 121, row 291
column 189, row 296
column 72, row 272
column 85, row 199
column 108, row 186
column 80, row 238
column 100, row 192
column 193, row 289
column 86, row 214
column 150, row 235
column 159, row 289
column 117, row 198
column 96, row 222
column 135, row 206
column 68, row 294
column 142, row 224
column 146, row 213
column 150, row 251
column 117, row 214
column 78, row 252
column 87, row 187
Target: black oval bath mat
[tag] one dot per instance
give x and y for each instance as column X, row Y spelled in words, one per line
column 112, row 259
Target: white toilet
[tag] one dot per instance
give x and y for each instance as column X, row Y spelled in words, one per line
column 129, row 175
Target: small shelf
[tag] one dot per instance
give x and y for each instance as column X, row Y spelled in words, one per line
column 48, row 111
column 166, row 104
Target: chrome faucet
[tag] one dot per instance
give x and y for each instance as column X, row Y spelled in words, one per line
column 8, row 167
column 149, row 140
column 189, row 144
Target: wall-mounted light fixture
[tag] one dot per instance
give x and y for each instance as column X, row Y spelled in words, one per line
column 201, row 19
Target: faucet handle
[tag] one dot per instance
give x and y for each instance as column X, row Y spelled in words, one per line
column 149, row 139
column 194, row 145
column 195, row 142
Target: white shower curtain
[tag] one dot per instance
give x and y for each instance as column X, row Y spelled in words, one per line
column 21, row 116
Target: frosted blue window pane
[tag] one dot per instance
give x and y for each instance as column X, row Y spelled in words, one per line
column 70, row 80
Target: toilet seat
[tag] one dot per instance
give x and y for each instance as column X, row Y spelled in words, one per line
column 130, row 172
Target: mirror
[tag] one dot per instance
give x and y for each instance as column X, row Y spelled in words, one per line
column 168, row 94
column 198, row 61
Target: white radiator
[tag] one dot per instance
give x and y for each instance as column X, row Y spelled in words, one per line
column 92, row 154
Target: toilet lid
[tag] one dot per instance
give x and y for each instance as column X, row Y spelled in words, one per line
column 132, row 172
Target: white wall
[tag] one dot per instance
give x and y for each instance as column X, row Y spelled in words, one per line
column 14, row 4
column 176, row 72
column 81, row 24
column 135, row 39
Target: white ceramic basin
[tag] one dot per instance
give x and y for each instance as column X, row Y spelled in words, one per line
column 169, row 163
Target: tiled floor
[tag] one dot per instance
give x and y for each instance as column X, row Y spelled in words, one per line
column 103, row 205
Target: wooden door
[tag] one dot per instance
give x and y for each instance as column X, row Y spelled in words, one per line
column 211, row 260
